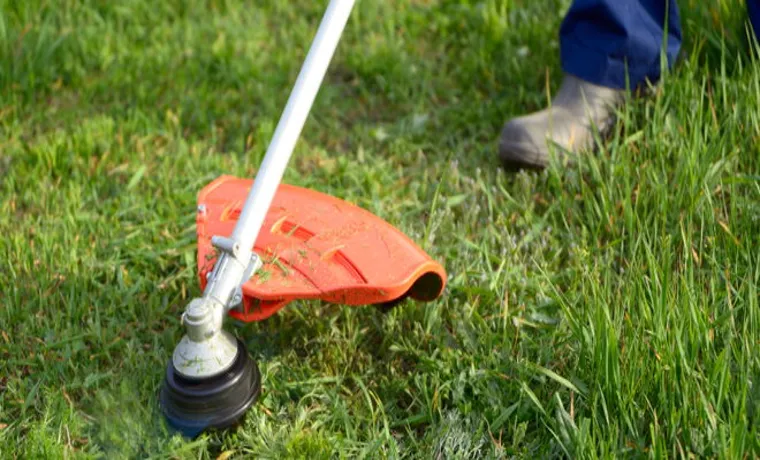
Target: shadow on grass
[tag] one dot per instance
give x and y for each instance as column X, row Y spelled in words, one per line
column 301, row 328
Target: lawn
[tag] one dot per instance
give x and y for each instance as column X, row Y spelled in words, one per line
column 606, row 309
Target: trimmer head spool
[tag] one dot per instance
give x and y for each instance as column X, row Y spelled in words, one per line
column 194, row 405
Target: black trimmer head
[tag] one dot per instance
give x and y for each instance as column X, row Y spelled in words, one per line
column 192, row 406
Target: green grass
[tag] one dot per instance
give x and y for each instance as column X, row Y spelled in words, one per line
column 609, row 309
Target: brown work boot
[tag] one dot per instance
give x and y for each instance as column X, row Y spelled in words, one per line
column 578, row 109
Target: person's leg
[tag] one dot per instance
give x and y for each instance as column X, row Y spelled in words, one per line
column 612, row 43
column 606, row 46
column 753, row 11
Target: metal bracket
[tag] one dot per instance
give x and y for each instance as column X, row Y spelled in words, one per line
column 254, row 265
column 228, row 245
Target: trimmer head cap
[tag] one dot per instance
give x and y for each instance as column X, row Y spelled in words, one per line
column 192, row 406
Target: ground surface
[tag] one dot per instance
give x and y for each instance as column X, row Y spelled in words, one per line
column 606, row 309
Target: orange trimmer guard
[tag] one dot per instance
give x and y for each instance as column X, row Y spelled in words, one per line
column 315, row 246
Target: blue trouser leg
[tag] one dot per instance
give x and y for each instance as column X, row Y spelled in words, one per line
column 753, row 10
column 618, row 43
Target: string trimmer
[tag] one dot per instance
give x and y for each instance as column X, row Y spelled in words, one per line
column 262, row 245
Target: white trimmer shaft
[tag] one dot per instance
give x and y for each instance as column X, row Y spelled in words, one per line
column 207, row 350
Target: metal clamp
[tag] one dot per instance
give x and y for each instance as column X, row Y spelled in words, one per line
column 228, row 245
column 236, row 300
